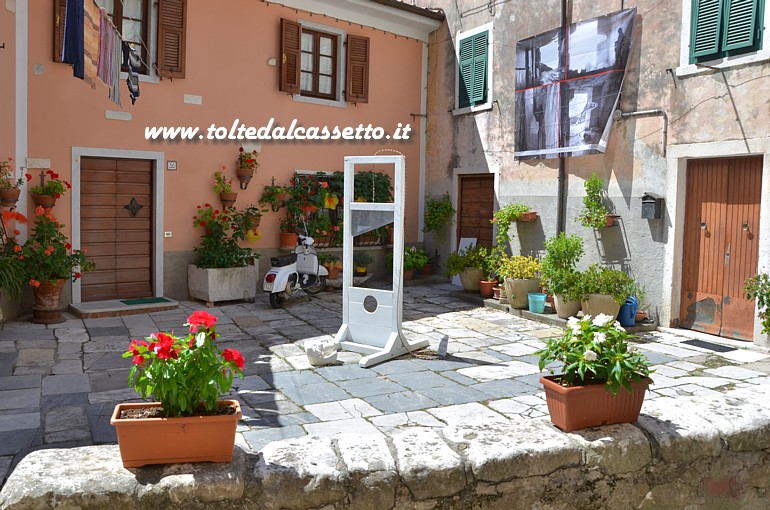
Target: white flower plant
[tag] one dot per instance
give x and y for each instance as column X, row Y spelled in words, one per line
column 595, row 350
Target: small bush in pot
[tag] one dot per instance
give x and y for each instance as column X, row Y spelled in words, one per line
column 558, row 268
column 503, row 218
column 593, row 214
column 758, row 287
column 610, row 282
column 438, row 215
column 472, row 257
column 518, row 267
column 414, row 258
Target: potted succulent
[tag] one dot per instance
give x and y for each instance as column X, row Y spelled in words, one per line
column 438, row 215
column 469, row 264
column 506, row 215
column 594, row 214
column 602, row 379
column 361, row 261
column 224, row 188
column 246, row 166
column 10, row 186
column 520, row 276
column 187, row 376
column 46, row 194
column 559, row 273
column 604, row 290
column 224, row 270
column 48, row 261
column 758, row 287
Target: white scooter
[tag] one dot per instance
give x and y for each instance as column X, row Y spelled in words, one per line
column 297, row 271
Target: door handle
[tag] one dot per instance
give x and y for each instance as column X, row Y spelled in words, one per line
column 727, row 255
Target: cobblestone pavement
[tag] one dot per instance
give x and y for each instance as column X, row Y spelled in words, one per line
column 59, row 383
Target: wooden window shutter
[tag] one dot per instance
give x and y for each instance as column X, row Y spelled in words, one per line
column 740, row 24
column 59, row 9
column 479, row 81
column 291, row 39
column 172, row 37
column 357, row 69
column 705, row 28
column 466, row 72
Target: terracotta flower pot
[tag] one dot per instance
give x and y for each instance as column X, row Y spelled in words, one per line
column 288, row 240
column 427, row 269
column 146, row 441
column 47, row 308
column 9, row 197
column 610, row 220
column 244, row 176
column 486, row 288
column 228, row 199
column 408, row 274
column 334, row 273
column 45, row 201
column 580, row 407
column 527, row 216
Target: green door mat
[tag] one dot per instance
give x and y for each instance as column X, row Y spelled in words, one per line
column 144, row 301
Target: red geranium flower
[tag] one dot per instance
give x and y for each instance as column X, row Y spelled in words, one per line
column 235, row 356
column 200, row 318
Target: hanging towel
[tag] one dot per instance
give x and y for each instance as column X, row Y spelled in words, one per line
column 72, row 53
column 132, row 61
column 117, row 60
column 106, row 35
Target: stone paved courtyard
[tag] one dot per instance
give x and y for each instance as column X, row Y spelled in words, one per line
column 59, row 384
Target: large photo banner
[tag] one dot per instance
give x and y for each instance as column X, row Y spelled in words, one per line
column 567, row 85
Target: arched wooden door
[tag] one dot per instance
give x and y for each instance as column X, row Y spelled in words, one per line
column 721, row 234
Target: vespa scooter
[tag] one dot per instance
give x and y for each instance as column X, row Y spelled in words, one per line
column 297, row 271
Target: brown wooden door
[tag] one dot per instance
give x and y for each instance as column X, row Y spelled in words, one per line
column 720, row 245
column 476, row 205
column 118, row 241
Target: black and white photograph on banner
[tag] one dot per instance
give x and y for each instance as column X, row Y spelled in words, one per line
column 567, row 86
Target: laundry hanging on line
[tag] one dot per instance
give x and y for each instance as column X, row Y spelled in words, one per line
column 132, row 61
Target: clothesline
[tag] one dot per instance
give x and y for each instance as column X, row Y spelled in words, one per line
column 141, row 41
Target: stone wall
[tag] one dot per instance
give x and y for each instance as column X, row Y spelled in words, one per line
column 695, row 453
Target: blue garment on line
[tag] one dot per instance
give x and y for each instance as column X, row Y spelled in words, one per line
column 73, row 46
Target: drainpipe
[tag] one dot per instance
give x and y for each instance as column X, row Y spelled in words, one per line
column 561, row 211
column 617, row 115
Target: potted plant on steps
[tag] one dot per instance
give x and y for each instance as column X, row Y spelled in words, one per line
column 361, row 261
column 48, row 261
column 187, row 376
column 224, row 188
column 594, row 214
column 48, row 192
column 602, row 380
column 224, row 270
column 520, row 276
column 469, row 264
column 414, row 260
column 559, row 274
column 604, row 290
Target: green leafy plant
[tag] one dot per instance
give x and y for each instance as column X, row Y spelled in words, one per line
column 473, row 257
column 518, row 267
column 188, row 375
column 438, row 215
column 221, row 183
column 47, row 255
column 274, row 196
column 371, row 186
column 414, row 258
column 223, row 230
column 602, row 280
column 558, row 268
column 362, row 259
column 503, row 218
column 595, row 350
column 593, row 214
column 54, row 186
column 758, row 287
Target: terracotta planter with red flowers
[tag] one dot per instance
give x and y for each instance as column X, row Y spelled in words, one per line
column 144, row 441
column 9, row 197
column 45, row 201
column 47, row 308
column 246, row 166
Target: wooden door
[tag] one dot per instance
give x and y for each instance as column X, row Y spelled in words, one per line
column 720, row 245
column 475, row 207
column 116, row 227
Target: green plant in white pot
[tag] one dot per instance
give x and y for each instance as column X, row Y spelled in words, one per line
column 469, row 263
column 521, row 278
column 603, row 290
column 559, row 274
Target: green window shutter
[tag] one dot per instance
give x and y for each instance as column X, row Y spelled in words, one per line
column 739, row 24
column 479, row 88
column 705, row 30
column 466, row 72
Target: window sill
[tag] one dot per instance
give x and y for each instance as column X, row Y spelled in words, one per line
column 473, row 109
column 723, row 63
column 143, row 78
column 323, row 102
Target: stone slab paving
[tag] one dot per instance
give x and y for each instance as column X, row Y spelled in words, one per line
column 60, row 383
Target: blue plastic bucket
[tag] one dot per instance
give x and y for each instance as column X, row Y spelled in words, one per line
column 627, row 313
column 536, row 302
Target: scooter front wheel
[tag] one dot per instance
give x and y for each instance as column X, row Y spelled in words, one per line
column 277, row 299
column 318, row 286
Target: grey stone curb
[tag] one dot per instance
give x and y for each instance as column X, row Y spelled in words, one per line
column 696, row 452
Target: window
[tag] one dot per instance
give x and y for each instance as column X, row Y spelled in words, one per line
column 161, row 50
column 722, row 28
column 474, row 70
column 311, row 63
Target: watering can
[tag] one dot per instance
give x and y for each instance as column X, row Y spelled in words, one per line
column 627, row 313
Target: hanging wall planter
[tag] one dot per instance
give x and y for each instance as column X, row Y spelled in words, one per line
column 45, row 201
column 9, row 197
column 228, row 199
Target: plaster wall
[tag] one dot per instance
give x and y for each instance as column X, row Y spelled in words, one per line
column 7, row 80
column 703, row 106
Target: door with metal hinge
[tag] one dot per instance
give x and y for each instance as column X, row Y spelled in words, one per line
column 720, row 245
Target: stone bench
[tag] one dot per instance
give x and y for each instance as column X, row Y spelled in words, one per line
column 690, row 452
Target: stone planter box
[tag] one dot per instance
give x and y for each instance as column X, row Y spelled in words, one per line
column 228, row 284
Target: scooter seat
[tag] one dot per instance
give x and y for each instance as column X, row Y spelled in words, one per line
column 283, row 260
